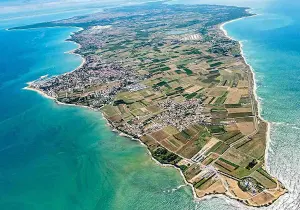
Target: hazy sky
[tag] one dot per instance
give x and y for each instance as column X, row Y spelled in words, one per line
column 245, row 3
column 14, row 6
column 21, row 8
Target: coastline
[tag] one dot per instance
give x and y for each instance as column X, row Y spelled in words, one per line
column 253, row 82
column 23, row 29
column 69, row 39
column 120, row 133
column 256, row 98
column 67, row 52
column 225, row 196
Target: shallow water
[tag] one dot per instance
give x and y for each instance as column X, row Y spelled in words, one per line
column 63, row 157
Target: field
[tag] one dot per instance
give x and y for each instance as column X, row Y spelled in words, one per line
column 167, row 75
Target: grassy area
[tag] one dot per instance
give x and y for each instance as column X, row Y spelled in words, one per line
column 183, row 168
column 228, row 162
column 164, row 156
column 193, row 52
column 202, row 181
column 221, row 99
column 215, row 147
column 264, row 178
column 190, row 96
column 184, row 68
column 179, row 71
column 215, row 64
column 110, row 110
column 216, row 128
column 188, row 71
column 188, row 23
column 228, row 135
column 202, row 139
column 160, row 84
column 241, row 114
column 264, row 173
column 222, row 148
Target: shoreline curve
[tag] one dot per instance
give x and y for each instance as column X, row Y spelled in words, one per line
column 224, row 196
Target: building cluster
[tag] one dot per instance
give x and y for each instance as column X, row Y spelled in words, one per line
column 95, row 83
column 221, row 44
column 88, row 41
column 180, row 114
column 135, row 87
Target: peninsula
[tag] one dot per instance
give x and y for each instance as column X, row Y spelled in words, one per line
column 168, row 76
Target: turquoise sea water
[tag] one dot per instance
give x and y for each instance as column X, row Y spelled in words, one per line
column 271, row 45
column 64, row 157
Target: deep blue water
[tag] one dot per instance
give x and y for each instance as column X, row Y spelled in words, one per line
column 62, row 157
column 65, row 157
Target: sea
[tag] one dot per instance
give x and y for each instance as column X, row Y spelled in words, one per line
column 57, row 157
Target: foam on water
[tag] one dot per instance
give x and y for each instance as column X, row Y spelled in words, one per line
column 83, row 165
column 275, row 61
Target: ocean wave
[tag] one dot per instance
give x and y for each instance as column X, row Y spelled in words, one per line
column 286, row 124
column 175, row 189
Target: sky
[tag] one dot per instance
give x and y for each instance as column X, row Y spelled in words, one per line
column 243, row 3
column 22, row 12
column 15, row 6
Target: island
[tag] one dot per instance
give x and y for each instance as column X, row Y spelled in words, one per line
column 168, row 76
